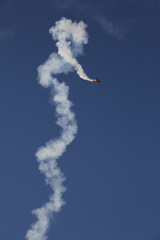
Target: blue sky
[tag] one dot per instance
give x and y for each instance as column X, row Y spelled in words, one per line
column 112, row 166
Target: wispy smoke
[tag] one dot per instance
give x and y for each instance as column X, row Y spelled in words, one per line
column 110, row 28
column 71, row 37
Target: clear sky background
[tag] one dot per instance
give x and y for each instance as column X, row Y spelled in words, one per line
column 112, row 167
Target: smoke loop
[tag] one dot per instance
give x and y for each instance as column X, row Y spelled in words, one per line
column 64, row 32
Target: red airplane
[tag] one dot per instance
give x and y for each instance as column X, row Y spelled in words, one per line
column 97, row 80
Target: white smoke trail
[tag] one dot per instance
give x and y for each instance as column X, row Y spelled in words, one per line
column 71, row 36
column 65, row 31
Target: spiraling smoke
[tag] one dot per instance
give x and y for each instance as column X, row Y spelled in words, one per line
column 71, row 37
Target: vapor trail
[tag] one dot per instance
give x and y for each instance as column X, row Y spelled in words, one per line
column 72, row 35
column 70, row 38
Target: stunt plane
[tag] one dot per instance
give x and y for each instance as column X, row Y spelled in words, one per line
column 97, row 80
